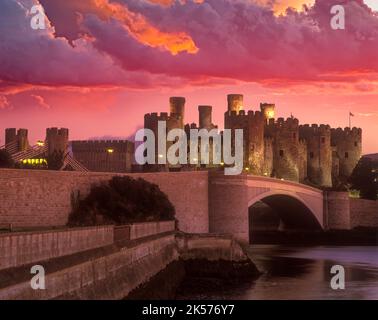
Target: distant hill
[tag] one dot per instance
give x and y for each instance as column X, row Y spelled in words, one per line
column 373, row 156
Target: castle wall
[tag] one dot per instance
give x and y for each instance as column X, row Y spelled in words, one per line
column 32, row 198
column 104, row 156
column 348, row 143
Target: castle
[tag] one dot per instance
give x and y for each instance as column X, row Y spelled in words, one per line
column 279, row 148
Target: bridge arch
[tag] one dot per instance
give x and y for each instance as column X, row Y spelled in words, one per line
column 230, row 198
column 294, row 211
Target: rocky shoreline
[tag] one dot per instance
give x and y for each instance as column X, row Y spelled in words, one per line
column 168, row 284
column 209, row 261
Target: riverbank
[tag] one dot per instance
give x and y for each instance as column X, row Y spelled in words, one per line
column 108, row 262
column 210, row 261
column 356, row 237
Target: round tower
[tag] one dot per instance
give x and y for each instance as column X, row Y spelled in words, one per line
column 235, row 102
column 268, row 110
column 205, row 121
column 16, row 140
column 57, row 140
column 177, row 109
column 255, row 143
column 286, row 149
column 348, row 146
column 319, row 153
column 23, row 142
column 10, row 135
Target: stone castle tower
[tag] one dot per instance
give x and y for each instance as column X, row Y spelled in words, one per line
column 347, row 146
column 319, row 153
column 57, row 140
column 16, row 140
column 174, row 120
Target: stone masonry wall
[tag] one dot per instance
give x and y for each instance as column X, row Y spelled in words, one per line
column 31, row 198
column 112, row 276
column 363, row 213
column 18, row 249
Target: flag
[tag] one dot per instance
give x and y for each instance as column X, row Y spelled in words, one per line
column 351, row 114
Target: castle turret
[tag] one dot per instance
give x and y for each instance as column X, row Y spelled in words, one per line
column 255, row 143
column 286, row 148
column 174, row 120
column 268, row 110
column 348, row 146
column 10, row 135
column 16, row 141
column 177, row 109
column 319, row 153
column 57, row 140
column 235, row 102
column 205, row 121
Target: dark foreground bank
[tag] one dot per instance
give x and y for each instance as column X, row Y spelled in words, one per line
column 176, row 279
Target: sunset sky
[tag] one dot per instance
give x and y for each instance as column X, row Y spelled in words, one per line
column 102, row 64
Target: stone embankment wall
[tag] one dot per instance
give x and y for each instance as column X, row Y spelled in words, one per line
column 33, row 198
column 111, row 271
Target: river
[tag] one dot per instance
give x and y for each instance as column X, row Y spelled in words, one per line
column 303, row 273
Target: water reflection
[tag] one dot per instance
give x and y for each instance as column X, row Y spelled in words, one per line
column 304, row 273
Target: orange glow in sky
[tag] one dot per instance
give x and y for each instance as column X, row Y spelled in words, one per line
column 144, row 32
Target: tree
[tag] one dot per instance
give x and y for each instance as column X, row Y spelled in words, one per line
column 5, row 159
column 363, row 179
column 120, row 201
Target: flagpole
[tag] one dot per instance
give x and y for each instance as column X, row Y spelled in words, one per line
column 350, row 120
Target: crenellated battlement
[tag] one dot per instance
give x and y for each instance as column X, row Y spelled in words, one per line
column 109, row 146
column 307, row 131
column 100, row 142
column 63, row 132
column 242, row 115
column 283, row 124
column 346, row 133
column 163, row 116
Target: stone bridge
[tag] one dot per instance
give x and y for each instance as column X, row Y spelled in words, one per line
column 230, row 197
column 204, row 201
